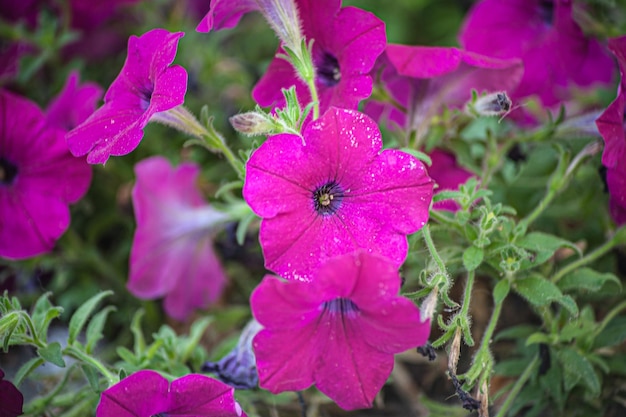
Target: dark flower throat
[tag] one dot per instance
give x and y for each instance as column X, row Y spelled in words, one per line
column 8, row 171
column 328, row 70
column 327, row 198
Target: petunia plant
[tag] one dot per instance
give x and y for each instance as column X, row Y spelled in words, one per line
column 298, row 207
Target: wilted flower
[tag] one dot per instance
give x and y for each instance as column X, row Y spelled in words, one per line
column 340, row 331
column 147, row 85
column 172, row 254
column 147, row 394
column 238, row 367
column 556, row 52
column 333, row 194
column 39, row 178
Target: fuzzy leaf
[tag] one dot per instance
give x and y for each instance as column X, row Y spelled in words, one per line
column 80, row 317
column 52, row 353
column 540, row 292
column 473, row 257
column 94, row 329
column 578, row 370
column 587, row 279
column 544, row 246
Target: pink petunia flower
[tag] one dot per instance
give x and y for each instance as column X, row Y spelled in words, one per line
column 74, row 104
column 448, row 175
column 347, row 42
column 39, row 178
column 611, row 123
column 333, row 194
column 146, row 394
column 424, row 79
column 340, row 331
column 556, row 52
column 616, row 182
column 172, row 254
column 147, row 86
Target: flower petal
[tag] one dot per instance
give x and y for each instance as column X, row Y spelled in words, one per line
column 142, row 394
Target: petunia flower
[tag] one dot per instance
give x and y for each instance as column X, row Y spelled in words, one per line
column 347, row 42
column 74, row 104
column 147, row 86
column 333, row 194
column 11, row 399
column 423, row 79
column 172, row 254
column 611, row 122
column 340, row 331
column 39, row 178
column 616, row 183
column 146, row 394
column 556, row 52
column 448, row 175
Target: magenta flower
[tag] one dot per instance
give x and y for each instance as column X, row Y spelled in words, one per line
column 172, row 254
column 333, row 194
column 11, row 399
column 424, row 79
column 147, row 85
column 347, row 42
column 448, row 175
column 556, row 52
column 611, row 122
column 147, row 393
column 339, row 331
column 616, row 182
column 74, row 104
column 225, row 14
column 39, row 178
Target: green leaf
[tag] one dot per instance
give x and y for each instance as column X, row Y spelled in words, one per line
column 614, row 333
column 541, row 292
column 126, row 355
column 80, row 317
column 139, row 344
column 587, row 279
column 538, row 338
column 544, row 245
column 473, row 257
column 26, row 369
column 8, row 324
column 242, row 228
column 52, row 353
column 578, row 370
column 94, row 329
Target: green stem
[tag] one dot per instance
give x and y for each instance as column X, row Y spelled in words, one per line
column 81, row 356
column 517, row 387
column 468, row 293
column 621, row 306
column 433, row 251
column 314, row 97
column 592, row 256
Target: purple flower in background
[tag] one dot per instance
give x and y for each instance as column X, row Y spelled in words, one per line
column 74, row 104
column 556, row 52
column 333, row 194
column 448, row 175
column 147, row 394
column 339, row 331
column 238, row 367
column 39, row 178
column 11, row 399
column 147, row 85
column 347, row 42
column 424, row 79
column 172, row 254
column 616, row 182
column 611, row 122
column 225, row 14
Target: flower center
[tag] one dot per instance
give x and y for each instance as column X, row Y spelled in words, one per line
column 328, row 70
column 546, row 11
column 145, row 95
column 327, row 198
column 343, row 306
column 8, row 172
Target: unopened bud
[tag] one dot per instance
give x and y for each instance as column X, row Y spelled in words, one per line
column 252, row 123
column 494, row 104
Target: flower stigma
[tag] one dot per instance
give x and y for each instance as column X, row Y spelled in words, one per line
column 327, row 198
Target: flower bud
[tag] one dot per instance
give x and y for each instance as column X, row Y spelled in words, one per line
column 252, row 123
column 494, row 104
column 282, row 15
